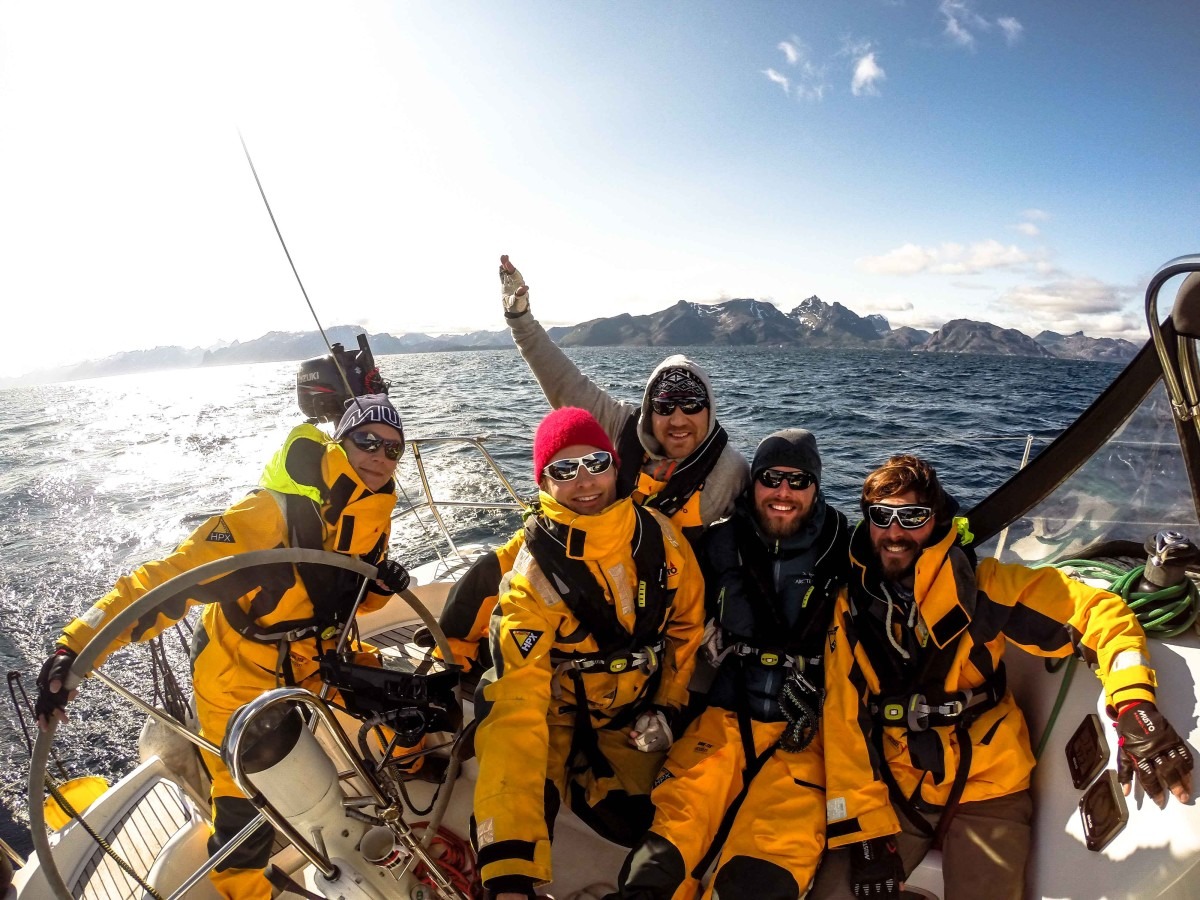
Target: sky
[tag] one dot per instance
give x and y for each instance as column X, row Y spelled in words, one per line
column 1026, row 163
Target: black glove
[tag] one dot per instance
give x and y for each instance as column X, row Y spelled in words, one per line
column 1150, row 745
column 392, row 575
column 875, row 868
column 800, row 702
column 52, row 703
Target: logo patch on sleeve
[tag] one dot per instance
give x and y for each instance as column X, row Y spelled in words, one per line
column 662, row 776
column 221, row 533
column 526, row 640
column 835, row 808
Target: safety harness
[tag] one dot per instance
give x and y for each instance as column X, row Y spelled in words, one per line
column 331, row 591
column 687, row 478
column 558, row 552
column 912, row 697
column 799, row 651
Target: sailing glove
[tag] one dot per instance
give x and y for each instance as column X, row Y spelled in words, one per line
column 651, row 733
column 875, row 867
column 800, row 702
column 1148, row 744
column 513, row 290
column 392, row 575
column 53, row 695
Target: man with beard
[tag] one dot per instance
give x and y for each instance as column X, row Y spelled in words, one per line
column 675, row 456
column 745, row 783
column 924, row 743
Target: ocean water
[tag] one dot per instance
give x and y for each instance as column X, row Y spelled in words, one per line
column 98, row 476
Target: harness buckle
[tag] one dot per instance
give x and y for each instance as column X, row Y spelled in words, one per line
column 767, row 658
column 618, row 663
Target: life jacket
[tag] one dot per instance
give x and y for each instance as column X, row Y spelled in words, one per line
column 686, row 479
column 760, row 645
column 619, row 651
column 912, row 691
column 307, row 504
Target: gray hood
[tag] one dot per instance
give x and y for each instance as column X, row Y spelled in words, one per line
column 678, row 361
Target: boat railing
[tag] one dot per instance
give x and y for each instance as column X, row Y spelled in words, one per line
column 440, row 534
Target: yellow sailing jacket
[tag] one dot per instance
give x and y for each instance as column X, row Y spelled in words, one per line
column 530, row 696
column 1039, row 610
column 355, row 521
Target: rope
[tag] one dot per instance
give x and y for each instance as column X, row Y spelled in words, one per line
column 455, row 859
column 1164, row 613
column 104, row 845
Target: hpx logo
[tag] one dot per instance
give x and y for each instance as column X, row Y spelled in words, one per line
column 525, row 640
column 221, row 533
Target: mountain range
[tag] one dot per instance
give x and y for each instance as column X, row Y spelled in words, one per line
column 740, row 322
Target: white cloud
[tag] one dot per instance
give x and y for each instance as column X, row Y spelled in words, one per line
column 1035, row 215
column 779, row 79
column 1067, row 305
column 807, row 82
column 867, row 74
column 945, row 259
column 1028, row 229
column 962, row 22
column 1012, row 29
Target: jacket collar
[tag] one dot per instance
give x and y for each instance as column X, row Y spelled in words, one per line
column 590, row 537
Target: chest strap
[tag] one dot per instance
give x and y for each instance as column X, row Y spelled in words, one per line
column 921, row 711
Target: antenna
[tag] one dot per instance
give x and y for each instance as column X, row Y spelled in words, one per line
column 337, row 363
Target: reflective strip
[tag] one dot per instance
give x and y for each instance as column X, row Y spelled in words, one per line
column 1127, row 659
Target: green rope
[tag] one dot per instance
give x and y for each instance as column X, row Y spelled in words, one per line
column 1069, row 670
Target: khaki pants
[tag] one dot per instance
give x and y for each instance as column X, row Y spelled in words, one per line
column 983, row 853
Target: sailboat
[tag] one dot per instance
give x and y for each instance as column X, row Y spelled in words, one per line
column 1115, row 499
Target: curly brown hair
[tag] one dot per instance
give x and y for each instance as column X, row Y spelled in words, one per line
column 905, row 473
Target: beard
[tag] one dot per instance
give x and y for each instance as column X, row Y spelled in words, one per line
column 898, row 568
column 777, row 527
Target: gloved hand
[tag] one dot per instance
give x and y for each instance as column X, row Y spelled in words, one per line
column 392, row 575
column 1150, row 745
column 52, row 698
column 651, row 732
column 513, row 290
column 711, row 643
column 875, row 867
column 800, row 702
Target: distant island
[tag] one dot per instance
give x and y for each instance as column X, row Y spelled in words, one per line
column 743, row 322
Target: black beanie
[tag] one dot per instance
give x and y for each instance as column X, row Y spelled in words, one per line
column 792, row 447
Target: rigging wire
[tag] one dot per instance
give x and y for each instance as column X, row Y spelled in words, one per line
column 337, row 364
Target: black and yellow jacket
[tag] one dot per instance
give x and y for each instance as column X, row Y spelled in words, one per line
column 533, row 630
column 353, row 520
column 971, row 613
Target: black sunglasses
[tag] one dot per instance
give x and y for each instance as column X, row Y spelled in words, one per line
column 566, row 469
column 797, row 481
column 689, row 405
column 909, row 517
column 372, row 443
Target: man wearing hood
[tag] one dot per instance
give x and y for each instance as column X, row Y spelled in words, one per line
column 675, row 456
column 924, row 743
column 744, row 785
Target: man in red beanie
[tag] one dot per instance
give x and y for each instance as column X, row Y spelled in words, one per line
column 594, row 642
column 674, row 455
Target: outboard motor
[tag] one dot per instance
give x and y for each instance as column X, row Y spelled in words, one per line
column 321, row 389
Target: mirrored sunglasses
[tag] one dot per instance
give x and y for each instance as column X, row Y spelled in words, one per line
column 909, row 517
column 566, row 469
column 797, row 481
column 663, row 406
column 372, row 443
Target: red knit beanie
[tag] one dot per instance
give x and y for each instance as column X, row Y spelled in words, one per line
column 566, row 427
